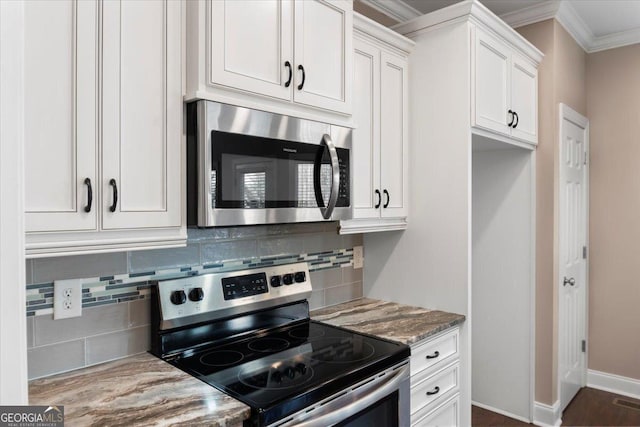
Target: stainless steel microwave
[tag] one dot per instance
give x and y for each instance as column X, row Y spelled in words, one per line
column 252, row 167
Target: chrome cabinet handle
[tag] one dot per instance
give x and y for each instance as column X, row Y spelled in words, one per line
column 434, row 355
column 379, row 199
column 512, row 118
column 570, row 282
column 288, row 65
column 87, row 182
column 434, row 391
column 335, row 178
column 304, row 77
column 113, row 184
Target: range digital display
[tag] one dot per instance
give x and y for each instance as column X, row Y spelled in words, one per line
column 244, row 286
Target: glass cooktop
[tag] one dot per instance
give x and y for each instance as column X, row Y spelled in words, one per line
column 306, row 360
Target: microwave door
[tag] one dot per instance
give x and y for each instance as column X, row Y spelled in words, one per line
column 326, row 172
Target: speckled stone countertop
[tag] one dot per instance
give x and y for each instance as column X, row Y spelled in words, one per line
column 137, row 390
column 389, row 320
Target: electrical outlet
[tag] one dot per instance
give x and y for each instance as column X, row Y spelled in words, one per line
column 67, row 298
column 358, row 258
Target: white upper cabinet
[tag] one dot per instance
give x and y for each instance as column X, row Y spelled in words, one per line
column 323, row 50
column 393, row 135
column 61, row 187
column 505, row 89
column 252, row 46
column 104, row 139
column 142, row 114
column 291, row 57
column 380, row 138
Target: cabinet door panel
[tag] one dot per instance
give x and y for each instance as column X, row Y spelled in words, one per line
column 142, row 112
column 393, row 135
column 250, row 43
column 60, row 114
column 366, row 135
column 492, row 90
column 324, row 47
column 524, row 99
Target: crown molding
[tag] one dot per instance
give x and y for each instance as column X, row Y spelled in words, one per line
column 612, row 41
column 366, row 26
column 532, row 14
column 575, row 26
column 396, row 9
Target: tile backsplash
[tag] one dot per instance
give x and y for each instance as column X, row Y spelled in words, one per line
column 115, row 317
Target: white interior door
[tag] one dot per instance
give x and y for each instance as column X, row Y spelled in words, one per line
column 574, row 142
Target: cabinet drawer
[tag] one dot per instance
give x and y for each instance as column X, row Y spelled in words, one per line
column 437, row 351
column 435, row 388
column 445, row 415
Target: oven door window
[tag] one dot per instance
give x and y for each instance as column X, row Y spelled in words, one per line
column 249, row 172
column 382, row 413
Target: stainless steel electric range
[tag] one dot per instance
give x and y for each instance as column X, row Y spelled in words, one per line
column 248, row 334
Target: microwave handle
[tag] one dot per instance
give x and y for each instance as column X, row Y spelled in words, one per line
column 335, row 178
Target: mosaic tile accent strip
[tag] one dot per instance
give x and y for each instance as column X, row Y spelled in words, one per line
column 128, row 287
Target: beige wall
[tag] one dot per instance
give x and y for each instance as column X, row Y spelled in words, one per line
column 613, row 88
column 561, row 78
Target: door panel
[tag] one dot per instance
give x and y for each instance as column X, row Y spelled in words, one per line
column 252, row 60
column 492, row 90
column 142, row 111
column 393, row 135
column 524, row 99
column 60, row 114
column 366, row 135
column 572, row 231
column 324, row 47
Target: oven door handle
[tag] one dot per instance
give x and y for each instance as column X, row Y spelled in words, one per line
column 364, row 396
column 335, row 178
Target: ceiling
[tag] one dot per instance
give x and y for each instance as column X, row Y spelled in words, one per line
column 595, row 24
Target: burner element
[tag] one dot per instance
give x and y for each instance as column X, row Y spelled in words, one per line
column 306, row 332
column 336, row 350
column 268, row 345
column 221, row 358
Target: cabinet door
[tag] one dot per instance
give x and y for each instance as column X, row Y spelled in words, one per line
column 524, row 99
column 492, row 89
column 142, row 114
column 323, row 46
column 366, row 136
column 250, row 44
column 393, row 135
column 60, row 108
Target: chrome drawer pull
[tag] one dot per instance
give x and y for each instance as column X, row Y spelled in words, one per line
column 435, row 391
column 434, row 355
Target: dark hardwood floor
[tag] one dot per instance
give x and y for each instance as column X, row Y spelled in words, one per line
column 590, row 407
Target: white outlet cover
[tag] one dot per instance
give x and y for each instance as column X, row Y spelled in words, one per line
column 67, row 298
column 358, row 258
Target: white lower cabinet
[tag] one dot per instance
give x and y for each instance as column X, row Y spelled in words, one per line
column 435, row 381
column 380, row 138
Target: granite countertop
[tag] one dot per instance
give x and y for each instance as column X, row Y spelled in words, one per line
column 137, row 390
column 389, row 320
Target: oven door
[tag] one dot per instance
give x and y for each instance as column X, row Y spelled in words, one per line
column 383, row 401
column 258, row 168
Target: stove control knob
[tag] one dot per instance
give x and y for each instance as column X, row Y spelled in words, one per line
column 300, row 277
column 178, row 297
column 287, row 279
column 302, row 368
column 291, row 373
column 275, row 281
column 196, row 294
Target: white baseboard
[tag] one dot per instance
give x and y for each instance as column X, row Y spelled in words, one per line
column 545, row 415
column 501, row 412
column 625, row 386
